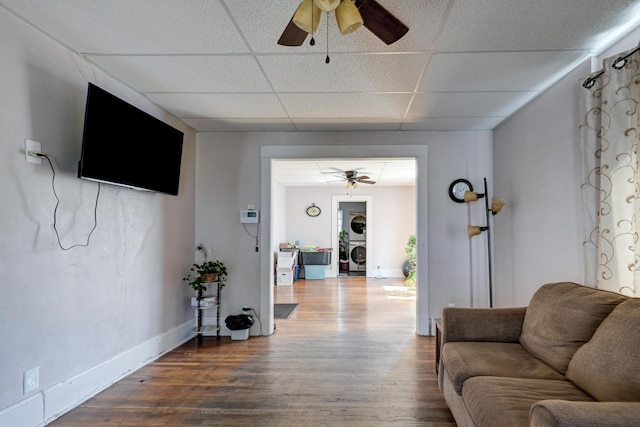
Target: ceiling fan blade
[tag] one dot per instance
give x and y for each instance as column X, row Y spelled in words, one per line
column 366, row 181
column 292, row 35
column 333, row 171
column 361, row 178
column 380, row 21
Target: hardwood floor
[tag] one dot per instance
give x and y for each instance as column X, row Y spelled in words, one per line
column 347, row 356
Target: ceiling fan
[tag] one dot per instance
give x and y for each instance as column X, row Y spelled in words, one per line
column 351, row 177
column 350, row 14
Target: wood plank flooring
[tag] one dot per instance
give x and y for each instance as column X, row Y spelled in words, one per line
column 348, row 356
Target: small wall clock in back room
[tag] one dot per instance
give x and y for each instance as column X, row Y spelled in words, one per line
column 313, row 210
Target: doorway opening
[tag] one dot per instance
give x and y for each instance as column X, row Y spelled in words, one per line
column 270, row 199
column 353, row 216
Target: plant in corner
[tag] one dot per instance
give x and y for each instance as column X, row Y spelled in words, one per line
column 411, row 263
column 206, row 272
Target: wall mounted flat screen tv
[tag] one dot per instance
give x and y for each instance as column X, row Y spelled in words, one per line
column 125, row 146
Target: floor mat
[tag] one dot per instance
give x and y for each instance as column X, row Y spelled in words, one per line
column 283, row 311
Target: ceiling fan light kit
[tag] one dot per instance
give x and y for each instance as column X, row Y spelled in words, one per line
column 306, row 14
column 328, row 5
column 348, row 17
column 350, row 14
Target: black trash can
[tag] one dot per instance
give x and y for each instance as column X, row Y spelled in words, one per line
column 239, row 325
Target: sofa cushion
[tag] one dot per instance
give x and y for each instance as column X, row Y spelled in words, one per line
column 466, row 359
column 561, row 318
column 495, row 401
column 562, row 413
column 608, row 366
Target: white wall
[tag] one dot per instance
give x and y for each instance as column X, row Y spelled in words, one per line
column 394, row 220
column 88, row 315
column 538, row 235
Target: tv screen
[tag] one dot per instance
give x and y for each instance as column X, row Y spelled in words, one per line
column 123, row 145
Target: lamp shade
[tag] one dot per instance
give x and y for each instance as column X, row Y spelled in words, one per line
column 470, row 196
column 307, row 16
column 327, row 5
column 348, row 17
column 496, row 204
column 474, row 230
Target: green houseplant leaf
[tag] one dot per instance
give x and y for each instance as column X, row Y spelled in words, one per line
column 197, row 277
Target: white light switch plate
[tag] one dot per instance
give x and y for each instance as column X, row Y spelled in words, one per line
column 29, row 146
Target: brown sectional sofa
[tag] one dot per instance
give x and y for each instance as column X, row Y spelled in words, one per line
column 571, row 358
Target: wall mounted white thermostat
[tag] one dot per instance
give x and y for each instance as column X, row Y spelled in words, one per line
column 249, row 216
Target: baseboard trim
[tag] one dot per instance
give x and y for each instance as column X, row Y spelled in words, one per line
column 52, row 402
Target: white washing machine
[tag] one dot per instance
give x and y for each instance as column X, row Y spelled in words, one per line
column 357, row 226
column 358, row 255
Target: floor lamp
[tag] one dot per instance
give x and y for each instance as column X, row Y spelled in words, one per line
column 473, row 230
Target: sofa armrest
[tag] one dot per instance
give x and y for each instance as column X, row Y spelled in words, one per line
column 563, row 413
column 482, row 324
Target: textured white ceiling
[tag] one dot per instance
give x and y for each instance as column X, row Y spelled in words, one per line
column 216, row 64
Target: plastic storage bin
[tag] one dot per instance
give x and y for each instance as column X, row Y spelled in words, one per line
column 314, row 272
column 316, row 258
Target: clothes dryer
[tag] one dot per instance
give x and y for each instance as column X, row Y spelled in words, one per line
column 357, row 226
column 358, row 256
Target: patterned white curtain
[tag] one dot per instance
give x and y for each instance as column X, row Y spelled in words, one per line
column 609, row 126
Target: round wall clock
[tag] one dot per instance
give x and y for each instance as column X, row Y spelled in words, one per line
column 458, row 188
column 313, row 210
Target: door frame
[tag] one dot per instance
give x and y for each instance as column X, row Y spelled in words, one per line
column 268, row 153
column 335, row 203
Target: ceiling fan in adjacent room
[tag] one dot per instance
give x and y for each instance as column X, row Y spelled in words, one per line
column 350, row 14
column 351, row 178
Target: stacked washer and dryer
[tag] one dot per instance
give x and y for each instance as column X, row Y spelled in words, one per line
column 357, row 241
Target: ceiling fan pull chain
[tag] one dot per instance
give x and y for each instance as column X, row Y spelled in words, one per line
column 327, row 60
column 312, row 42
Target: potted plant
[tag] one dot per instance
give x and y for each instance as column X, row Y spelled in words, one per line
column 411, row 263
column 206, row 272
column 200, row 274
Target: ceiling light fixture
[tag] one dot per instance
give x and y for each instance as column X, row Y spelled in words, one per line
column 350, row 15
column 351, row 184
column 307, row 16
column 327, row 5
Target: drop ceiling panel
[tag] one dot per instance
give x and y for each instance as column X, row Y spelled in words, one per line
column 496, row 71
column 133, row 27
column 468, row 104
column 489, row 25
column 220, row 106
column 339, row 105
column 345, row 73
column 463, row 65
column 187, row 73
